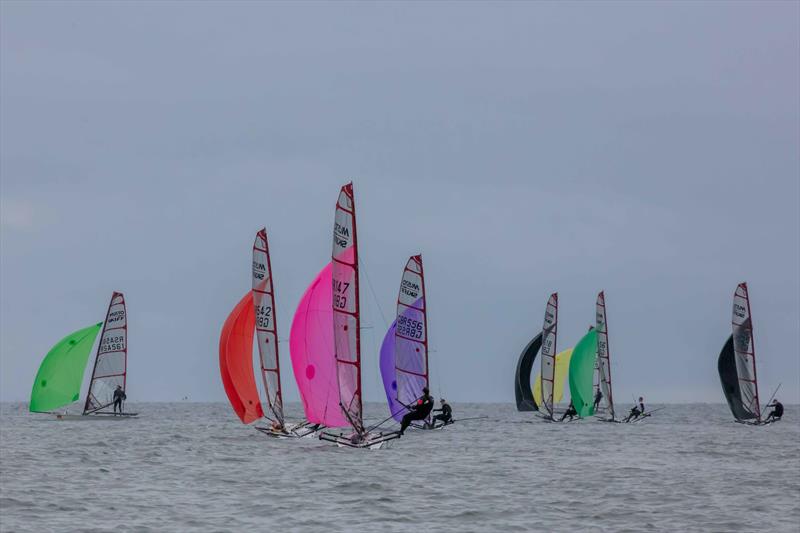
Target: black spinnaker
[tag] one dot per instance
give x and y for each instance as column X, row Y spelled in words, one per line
column 522, row 380
column 726, row 365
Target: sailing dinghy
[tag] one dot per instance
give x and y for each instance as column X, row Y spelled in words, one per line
column 737, row 363
column 254, row 316
column 58, row 381
column 404, row 352
column 346, row 328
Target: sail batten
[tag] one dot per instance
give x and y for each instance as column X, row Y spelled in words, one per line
column 346, row 310
column 266, row 325
column 604, row 352
column 111, row 360
column 549, row 337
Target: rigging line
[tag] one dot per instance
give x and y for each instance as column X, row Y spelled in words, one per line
column 773, row 395
column 371, row 289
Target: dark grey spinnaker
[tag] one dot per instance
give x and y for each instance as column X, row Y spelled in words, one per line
column 728, row 376
column 522, row 380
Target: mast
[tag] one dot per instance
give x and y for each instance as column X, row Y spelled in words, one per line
column 549, row 335
column 411, row 334
column 111, row 360
column 745, row 350
column 346, row 310
column 603, row 351
column 266, row 326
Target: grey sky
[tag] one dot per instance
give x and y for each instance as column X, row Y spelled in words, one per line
column 648, row 149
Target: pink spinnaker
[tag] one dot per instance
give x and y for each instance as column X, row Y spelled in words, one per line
column 312, row 354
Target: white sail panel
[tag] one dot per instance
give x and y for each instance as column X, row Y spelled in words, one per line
column 346, row 308
column 266, row 328
column 110, row 365
column 603, row 353
column 549, row 334
column 744, row 349
column 411, row 334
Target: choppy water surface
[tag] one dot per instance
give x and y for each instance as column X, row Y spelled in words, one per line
column 195, row 467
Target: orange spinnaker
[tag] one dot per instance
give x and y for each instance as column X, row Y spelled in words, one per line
column 236, row 360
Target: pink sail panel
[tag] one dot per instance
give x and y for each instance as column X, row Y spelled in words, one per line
column 236, row 361
column 346, row 338
column 549, row 335
column 266, row 327
column 311, row 351
column 411, row 334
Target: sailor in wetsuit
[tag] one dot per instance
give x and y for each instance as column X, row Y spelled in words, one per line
column 637, row 411
column 447, row 413
column 119, row 397
column 418, row 412
column 570, row 412
column 777, row 411
column 597, row 398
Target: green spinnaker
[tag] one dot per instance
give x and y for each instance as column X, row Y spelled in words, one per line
column 581, row 374
column 58, row 382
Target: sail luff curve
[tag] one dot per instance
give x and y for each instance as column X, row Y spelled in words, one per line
column 549, row 337
column 266, row 324
column 111, row 361
column 603, row 351
column 346, row 311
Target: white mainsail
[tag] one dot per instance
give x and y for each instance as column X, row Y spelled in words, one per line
column 603, row 353
column 111, row 361
column 549, row 334
column 266, row 327
column 744, row 349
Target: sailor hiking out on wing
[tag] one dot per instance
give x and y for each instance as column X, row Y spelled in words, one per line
column 777, row 411
column 446, row 413
column 420, row 411
column 570, row 412
column 119, row 397
column 636, row 411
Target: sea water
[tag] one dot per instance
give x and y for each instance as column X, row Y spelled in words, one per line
column 195, row 467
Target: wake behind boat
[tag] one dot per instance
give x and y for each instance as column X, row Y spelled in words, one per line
column 58, row 381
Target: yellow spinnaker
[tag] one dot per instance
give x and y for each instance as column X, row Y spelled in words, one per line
column 562, row 367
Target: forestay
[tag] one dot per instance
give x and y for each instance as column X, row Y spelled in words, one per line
column 345, row 305
column 111, row 362
column 603, row 352
column 266, row 327
column 744, row 350
column 549, row 336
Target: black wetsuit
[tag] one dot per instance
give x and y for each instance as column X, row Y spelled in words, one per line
column 635, row 412
column 597, row 398
column 570, row 412
column 418, row 412
column 777, row 411
column 447, row 414
column 119, row 396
